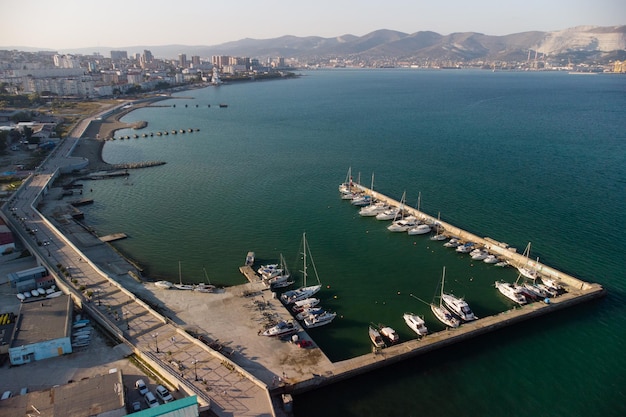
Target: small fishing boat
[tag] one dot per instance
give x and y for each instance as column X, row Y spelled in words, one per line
column 389, row 333
column 319, row 319
column 163, row 284
column 250, row 259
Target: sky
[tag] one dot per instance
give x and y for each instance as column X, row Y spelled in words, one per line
column 68, row 24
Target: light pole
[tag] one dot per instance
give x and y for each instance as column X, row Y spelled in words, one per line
column 195, row 368
column 156, row 341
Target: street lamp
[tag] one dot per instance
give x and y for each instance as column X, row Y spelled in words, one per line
column 195, row 368
column 156, row 341
column 125, row 313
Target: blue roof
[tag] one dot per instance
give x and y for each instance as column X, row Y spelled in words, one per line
column 172, row 407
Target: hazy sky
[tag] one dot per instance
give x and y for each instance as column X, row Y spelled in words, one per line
column 65, row 24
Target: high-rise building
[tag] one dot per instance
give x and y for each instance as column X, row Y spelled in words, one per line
column 119, row 55
column 182, row 60
column 195, row 61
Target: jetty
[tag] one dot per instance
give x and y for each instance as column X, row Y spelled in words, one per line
column 113, row 237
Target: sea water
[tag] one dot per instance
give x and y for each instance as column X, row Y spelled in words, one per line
column 518, row 157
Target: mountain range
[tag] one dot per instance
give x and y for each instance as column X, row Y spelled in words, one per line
column 581, row 43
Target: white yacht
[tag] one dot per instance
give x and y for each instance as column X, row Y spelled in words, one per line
column 420, row 229
column 282, row 328
column 452, row 243
column 373, row 209
column 319, row 320
column 459, row 307
column 478, row 254
column 391, row 213
column 376, row 338
column 402, row 225
column 389, row 333
column 309, row 311
column 491, row 259
column 163, row 284
column 511, row 292
column 416, row 323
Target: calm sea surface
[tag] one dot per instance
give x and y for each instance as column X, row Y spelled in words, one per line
column 518, row 157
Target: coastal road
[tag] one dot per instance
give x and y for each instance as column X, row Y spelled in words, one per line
column 187, row 364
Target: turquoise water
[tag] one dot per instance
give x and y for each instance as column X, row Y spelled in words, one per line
column 518, row 157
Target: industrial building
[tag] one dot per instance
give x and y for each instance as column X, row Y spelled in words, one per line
column 42, row 330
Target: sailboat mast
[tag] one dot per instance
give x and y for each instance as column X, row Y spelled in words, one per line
column 304, row 256
column 443, row 280
column 180, row 276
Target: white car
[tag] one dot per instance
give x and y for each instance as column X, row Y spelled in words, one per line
column 163, row 394
column 151, row 400
column 141, row 387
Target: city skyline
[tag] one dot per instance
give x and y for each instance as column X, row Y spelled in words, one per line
column 68, row 24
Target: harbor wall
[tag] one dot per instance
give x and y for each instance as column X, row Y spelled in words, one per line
column 366, row 363
column 500, row 249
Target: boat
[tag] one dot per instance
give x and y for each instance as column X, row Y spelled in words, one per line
column 34, row 293
column 525, row 269
column 279, row 278
column 268, row 271
column 54, row 294
column 376, row 338
column 511, row 292
column 202, row 287
column 536, row 289
column 452, row 243
column 389, row 333
column 373, row 209
column 20, row 296
column 163, row 284
column 249, row 259
column 478, row 254
column 346, row 186
column 502, row 264
column 41, row 291
column 282, row 328
column 309, row 311
column 392, row 213
column 362, row 200
column 438, row 234
column 491, row 259
column 299, row 306
column 180, row 285
column 27, row 294
column 459, row 307
column 402, row 225
column 319, row 319
column 420, row 229
column 416, row 323
column 465, row 248
column 552, row 284
column 441, row 312
column 290, row 297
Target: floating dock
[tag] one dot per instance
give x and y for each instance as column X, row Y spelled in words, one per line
column 113, row 237
column 247, row 272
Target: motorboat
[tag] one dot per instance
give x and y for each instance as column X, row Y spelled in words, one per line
column 361, row 200
column 551, row 283
column 282, row 328
column 402, row 225
column 465, row 248
column 290, row 297
column 376, row 338
column 491, row 259
column 389, row 333
column 478, row 254
column 319, row 319
column 511, row 292
column 281, row 283
column 416, row 323
column 373, row 209
column 267, row 271
column 20, row 296
column 299, row 306
column 459, row 307
column 452, row 243
column 279, row 274
column 184, row 287
column 309, row 311
column 391, row 213
column 249, row 258
column 420, row 229
column 502, row 264
column 163, row 284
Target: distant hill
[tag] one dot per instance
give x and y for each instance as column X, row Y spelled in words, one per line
column 584, row 41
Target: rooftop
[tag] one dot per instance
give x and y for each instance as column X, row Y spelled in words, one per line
column 45, row 319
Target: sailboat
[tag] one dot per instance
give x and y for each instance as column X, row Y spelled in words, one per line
column 205, row 287
column 419, row 228
column 438, row 235
column 282, row 279
column 290, row 297
column 180, row 285
column 373, row 208
column 440, row 311
column 525, row 269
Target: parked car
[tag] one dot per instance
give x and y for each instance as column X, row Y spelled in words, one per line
column 141, row 387
column 151, row 400
column 163, row 394
column 136, row 406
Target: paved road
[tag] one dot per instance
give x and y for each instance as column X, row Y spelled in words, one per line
column 189, row 365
